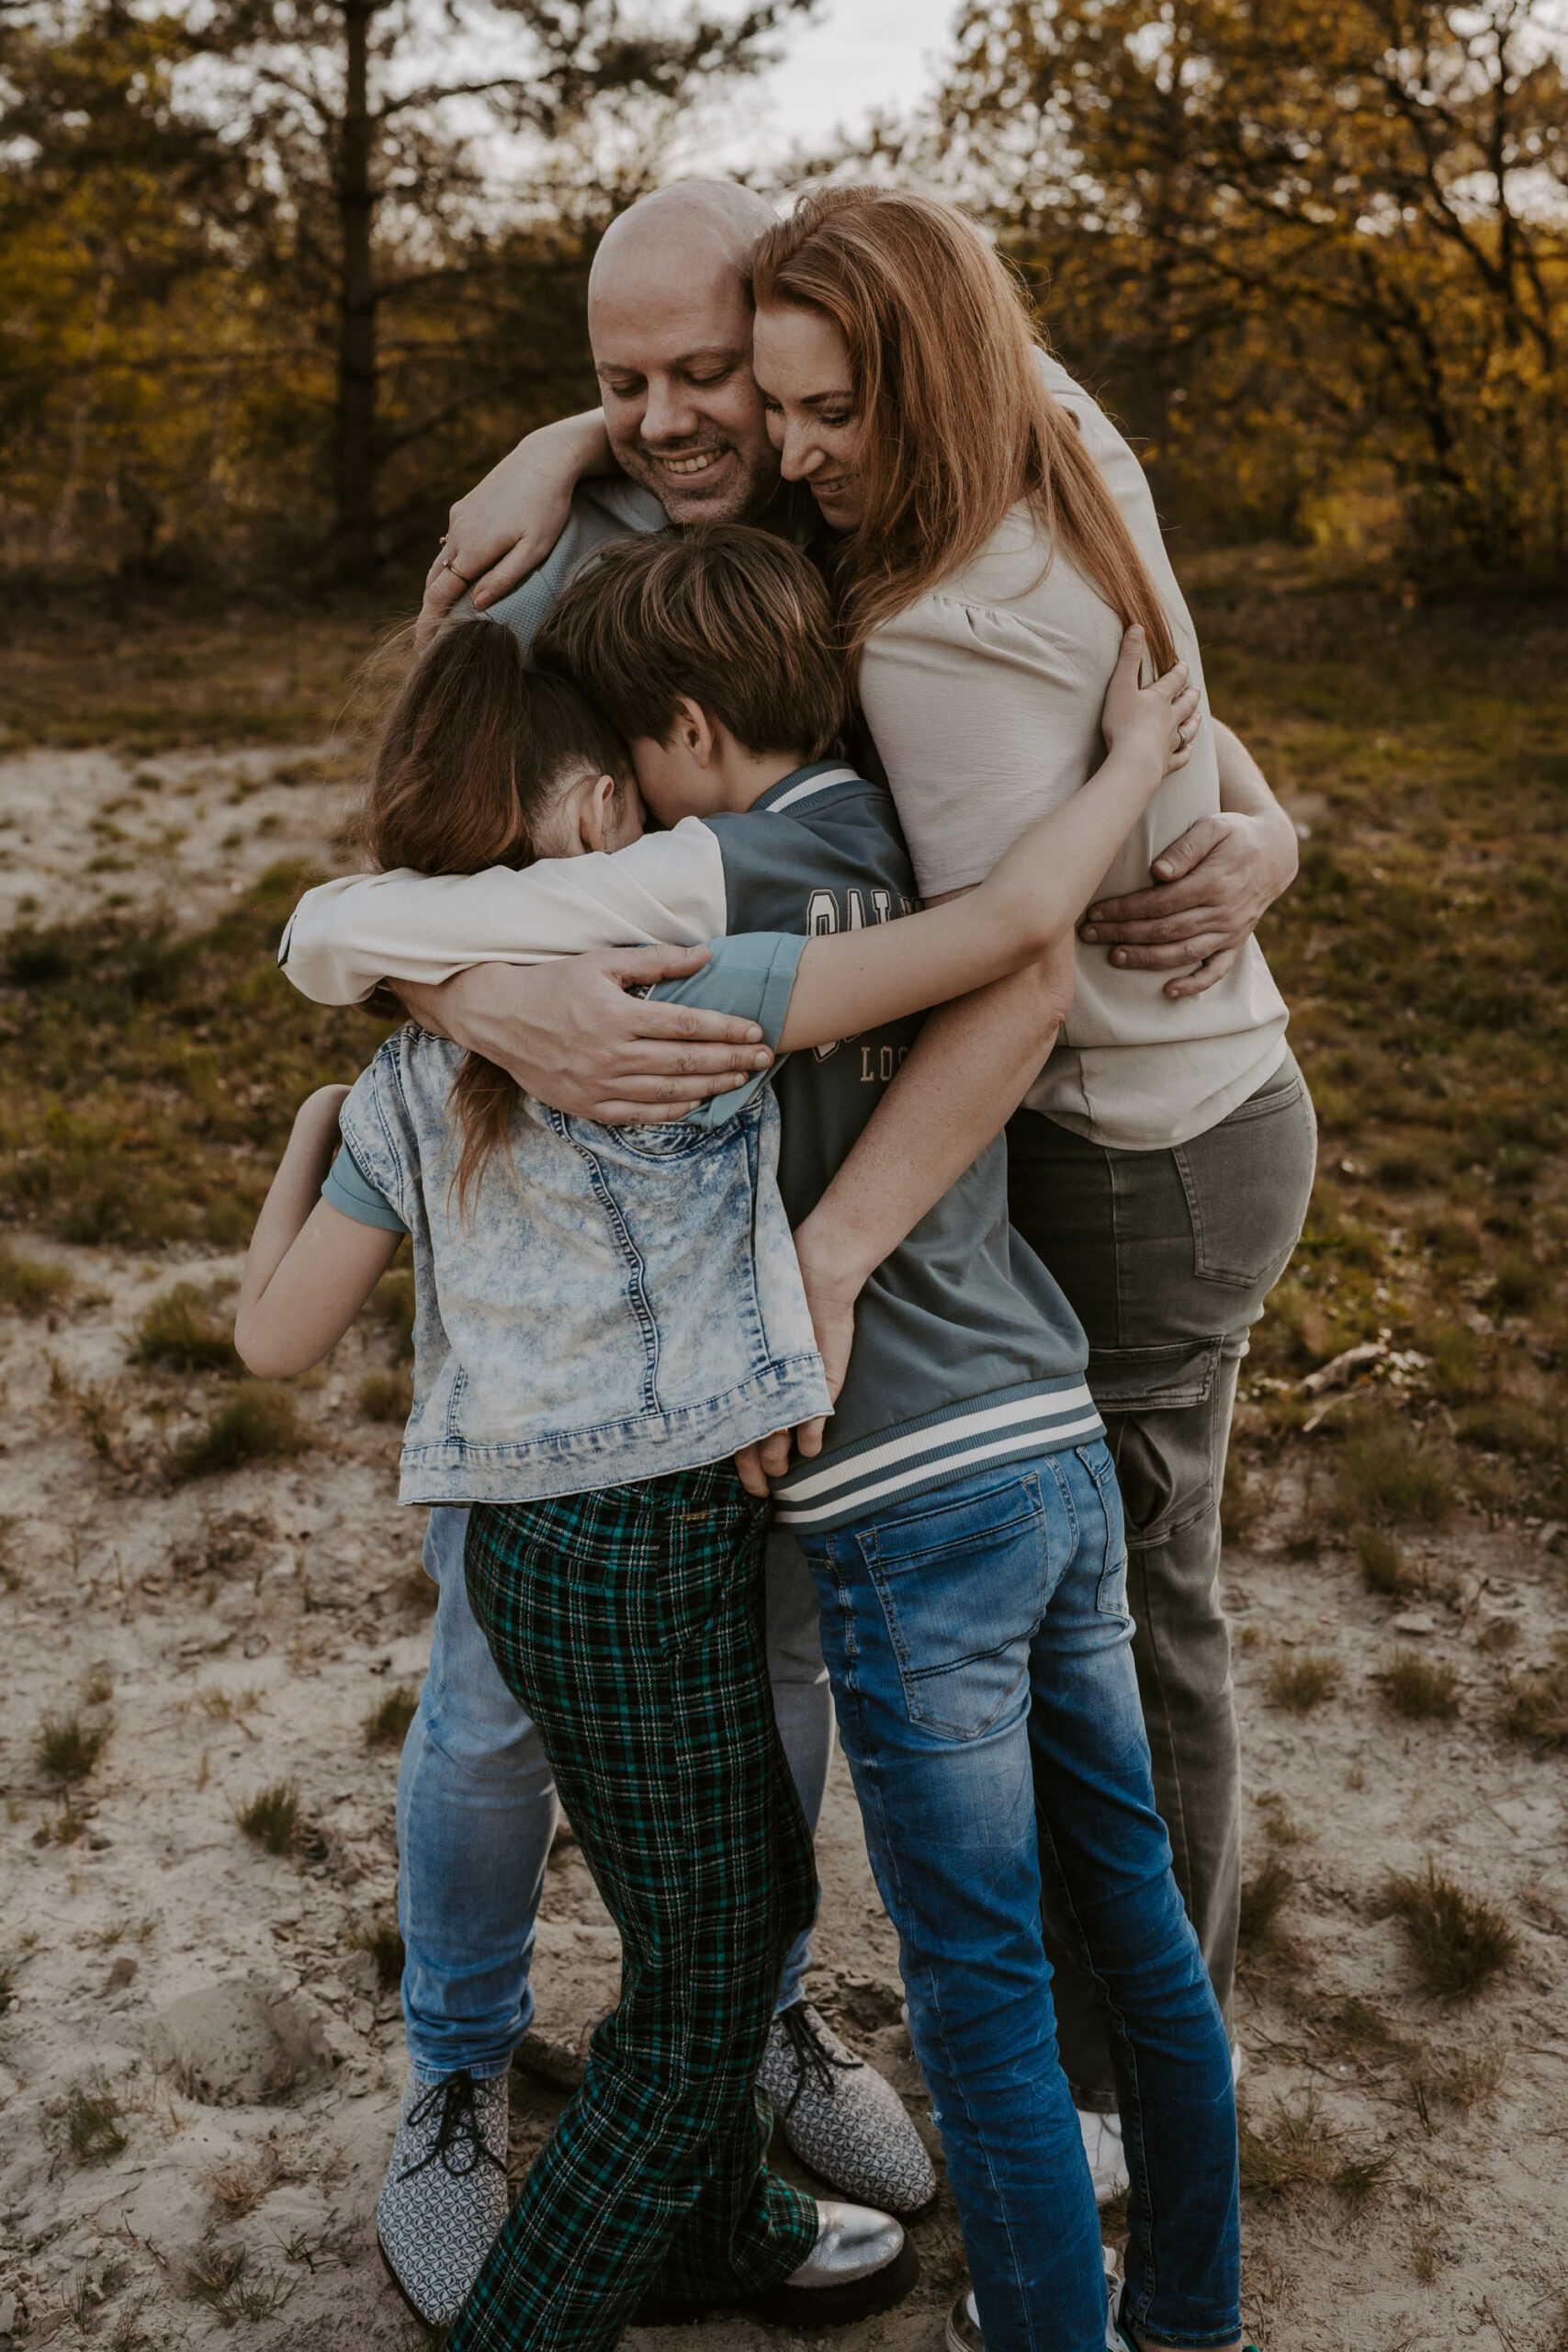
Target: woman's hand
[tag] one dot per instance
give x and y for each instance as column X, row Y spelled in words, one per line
column 507, row 524
column 1162, row 717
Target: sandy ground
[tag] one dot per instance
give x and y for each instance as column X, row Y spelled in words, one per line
column 198, row 2015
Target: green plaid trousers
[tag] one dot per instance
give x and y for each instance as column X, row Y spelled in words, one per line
column 629, row 1624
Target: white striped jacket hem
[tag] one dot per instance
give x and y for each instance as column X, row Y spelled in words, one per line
column 848, row 1486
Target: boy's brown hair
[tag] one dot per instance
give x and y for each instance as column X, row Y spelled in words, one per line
column 734, row 618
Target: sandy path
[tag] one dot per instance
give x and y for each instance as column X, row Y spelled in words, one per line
column 240, row 1630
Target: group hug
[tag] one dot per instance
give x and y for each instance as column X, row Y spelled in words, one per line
column 843, row 1128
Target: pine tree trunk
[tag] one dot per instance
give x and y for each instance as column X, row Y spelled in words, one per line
column 354, row 455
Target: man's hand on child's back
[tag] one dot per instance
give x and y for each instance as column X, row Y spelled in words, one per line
column 571, row 1033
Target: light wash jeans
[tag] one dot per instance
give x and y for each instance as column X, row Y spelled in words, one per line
column 476, row 1813
column 980, row 1651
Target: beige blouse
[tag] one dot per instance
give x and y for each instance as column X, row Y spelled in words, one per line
column 984, row 700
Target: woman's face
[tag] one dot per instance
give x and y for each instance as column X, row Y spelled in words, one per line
column 802, row 366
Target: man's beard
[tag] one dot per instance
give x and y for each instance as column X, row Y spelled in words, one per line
column 738, row 493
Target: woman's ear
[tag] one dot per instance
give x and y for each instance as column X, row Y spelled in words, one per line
column 589, row 813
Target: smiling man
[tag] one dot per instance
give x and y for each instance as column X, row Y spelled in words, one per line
column 683, row 438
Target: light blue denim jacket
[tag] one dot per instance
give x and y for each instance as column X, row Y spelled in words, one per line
column 619, row 1303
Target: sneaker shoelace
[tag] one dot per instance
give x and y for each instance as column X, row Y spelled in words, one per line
column 812, row 2055
column 459, row 2142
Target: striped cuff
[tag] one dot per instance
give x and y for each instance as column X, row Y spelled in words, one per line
column 893, row 1465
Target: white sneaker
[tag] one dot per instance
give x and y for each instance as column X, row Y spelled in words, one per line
column 964, row 2320
column 1107, row 2164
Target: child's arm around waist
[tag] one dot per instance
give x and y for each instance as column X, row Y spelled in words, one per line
column 310, row 1269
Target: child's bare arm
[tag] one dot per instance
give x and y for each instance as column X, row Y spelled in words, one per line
column 310, row 1269
column 857, row 979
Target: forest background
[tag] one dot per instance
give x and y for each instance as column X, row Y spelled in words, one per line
column 280, row 277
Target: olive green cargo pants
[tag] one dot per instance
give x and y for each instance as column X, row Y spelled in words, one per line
column 1167, row 1257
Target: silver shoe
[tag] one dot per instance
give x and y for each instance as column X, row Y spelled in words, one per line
column 861, row 2264
column 851, row 2241
column 841, row 2118
column 444, row 2199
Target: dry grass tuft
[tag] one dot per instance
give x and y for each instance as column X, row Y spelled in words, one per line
column 1423, row 1689
column 1298, row 2150
column 392, row 1302
column 385, row 1945
column 181, row 1332
column 390, row 1717
column 92, row 2122
column 1383, row 1564
column 1388, row 1473
column 30, row 1285
column 1461, row 1941
column 1299, row 1680
column 68, row 1748
column 237, row 2190
column 1263, row 1897
column 385, row 1396
column 1461, row 2078
column 258, row 1424
column 1536, row 1705
column 273, row 1817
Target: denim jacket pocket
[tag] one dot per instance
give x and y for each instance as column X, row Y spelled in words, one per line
column 962, row 1591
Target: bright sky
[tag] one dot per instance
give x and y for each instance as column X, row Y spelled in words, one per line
column 859, row 56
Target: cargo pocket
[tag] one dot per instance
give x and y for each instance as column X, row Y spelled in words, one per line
column 1167, row 1379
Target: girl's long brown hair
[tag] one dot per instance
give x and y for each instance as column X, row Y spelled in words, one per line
column 959, row 424
column 473, row 751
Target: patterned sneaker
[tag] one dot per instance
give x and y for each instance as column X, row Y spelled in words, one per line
column 444, row 2195
column 838, row 2115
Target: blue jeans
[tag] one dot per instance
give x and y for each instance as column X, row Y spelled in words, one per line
column 476, row 1813
column 979, row 1647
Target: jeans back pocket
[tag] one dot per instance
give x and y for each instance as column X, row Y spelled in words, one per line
column 962, row 1587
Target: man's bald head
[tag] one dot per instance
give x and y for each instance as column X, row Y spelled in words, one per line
column 715, row 221
column 670, row 321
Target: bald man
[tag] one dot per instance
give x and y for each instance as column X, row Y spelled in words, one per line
column 672, row 335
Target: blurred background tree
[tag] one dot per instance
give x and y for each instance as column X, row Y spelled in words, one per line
column 279, row 276
column 301, row 265
column 1315, row 250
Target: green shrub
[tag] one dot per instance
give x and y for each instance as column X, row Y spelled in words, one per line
column 385, row 1397
column 30, row 1285
column 1387, row 1473
column 1299, row 1680
column 1421, row 1688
